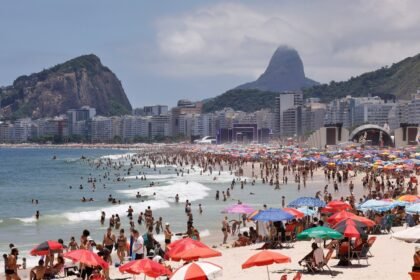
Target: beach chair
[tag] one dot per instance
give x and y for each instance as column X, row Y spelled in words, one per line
column 298, row 276
column 415, row 275
column 320, row 266
column 370, row 242
column 361, row 253
column 289, row 239
column 327, row 258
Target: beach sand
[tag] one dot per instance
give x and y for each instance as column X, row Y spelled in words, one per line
column 392, row 259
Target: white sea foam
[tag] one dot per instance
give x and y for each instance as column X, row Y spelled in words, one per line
column 118, row 156
column 26, row 220
column 121, row 209
column 94, row 215
column 164, row 166
column 149, row 177
column 191, row 191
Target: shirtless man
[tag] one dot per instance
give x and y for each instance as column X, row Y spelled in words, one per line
column 109, row 240
column 37, row 273
column 12, row 266
column 168, row 235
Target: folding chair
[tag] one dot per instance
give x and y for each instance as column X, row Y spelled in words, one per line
column 326, row 260
column 370, row 242
column 361, row 253
column 298, row 276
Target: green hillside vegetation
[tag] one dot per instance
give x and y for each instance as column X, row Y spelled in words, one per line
column 249, row 100
column 399, row 80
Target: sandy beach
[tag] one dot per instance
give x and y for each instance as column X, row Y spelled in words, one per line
column 392, row 259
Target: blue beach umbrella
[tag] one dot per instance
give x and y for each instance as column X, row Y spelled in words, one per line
column 371, row 204
column 307, row 201
column 413, row 209
column 273, row 215
column 305, row 210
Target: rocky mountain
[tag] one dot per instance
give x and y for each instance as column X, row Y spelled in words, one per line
column 75, row 83
column 399, row 80
column 285, row 72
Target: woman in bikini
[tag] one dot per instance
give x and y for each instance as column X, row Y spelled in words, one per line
column 121, row 246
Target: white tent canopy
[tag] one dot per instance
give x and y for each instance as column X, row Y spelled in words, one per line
column 409, row 235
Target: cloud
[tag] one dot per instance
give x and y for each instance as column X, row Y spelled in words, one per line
column 336, row 39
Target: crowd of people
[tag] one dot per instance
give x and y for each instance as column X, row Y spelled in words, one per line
column 137, row 240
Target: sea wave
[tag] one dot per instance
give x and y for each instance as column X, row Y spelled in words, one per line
column 192, row 191
column 117, row 156
column 150, row 177
column 94, row 215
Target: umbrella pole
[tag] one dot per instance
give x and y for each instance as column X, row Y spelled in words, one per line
column 268, row 273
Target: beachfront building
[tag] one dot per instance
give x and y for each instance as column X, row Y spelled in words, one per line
column 155, row 110
column 17, row 132
column 158, row 126
column 50, row 128
column 288, row 114
column 313, row 115
column 179, row 118
column 405, row 112
column 101, row 130
column 77, row 120
column 355, row 111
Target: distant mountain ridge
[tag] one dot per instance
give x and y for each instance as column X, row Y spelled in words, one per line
column 78, row 82
column 285, row 72
column 399, row 80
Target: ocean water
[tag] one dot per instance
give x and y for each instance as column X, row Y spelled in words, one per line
column 31, row 173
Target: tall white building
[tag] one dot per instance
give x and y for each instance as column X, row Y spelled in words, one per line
column 101, row 129
column 287, row 112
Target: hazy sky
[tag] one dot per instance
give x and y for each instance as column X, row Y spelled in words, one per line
column 163, row 51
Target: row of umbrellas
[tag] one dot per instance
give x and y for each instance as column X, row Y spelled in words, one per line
column 185, row 249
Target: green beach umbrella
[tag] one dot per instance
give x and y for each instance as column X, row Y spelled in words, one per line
column 319, row 232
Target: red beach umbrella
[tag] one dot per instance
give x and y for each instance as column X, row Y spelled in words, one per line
column 339, row 205
column 46, row 247
column 265, row 258
column 350, row 228
column 197, row 271
column 145, row 266
column 86, row 257
column 343, row 215
column 294, row 212
column 188, row 249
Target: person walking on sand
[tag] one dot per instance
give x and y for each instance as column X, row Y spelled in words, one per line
column 159, row 225
column 121, row 246
column 168, row 235
column 109, row 240
column 12, row 266
column 225, row 227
